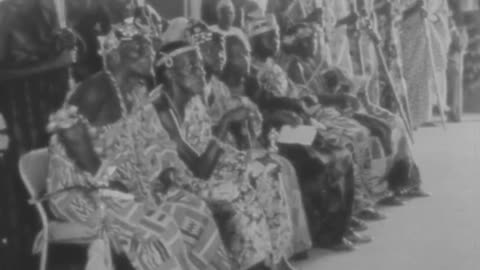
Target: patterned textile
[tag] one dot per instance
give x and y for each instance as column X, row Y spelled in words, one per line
column 345, row 132
column 416, row 59
column 225, row 99
column 155, row 231
column 220, row 100
column 401, row 146
column 301, row 240
column 4, row 140
column 341, row 131
column 235, row 165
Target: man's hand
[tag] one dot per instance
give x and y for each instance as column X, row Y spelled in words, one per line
column 64, row 39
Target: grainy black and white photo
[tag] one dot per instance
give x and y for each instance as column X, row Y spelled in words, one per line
column 239, row 134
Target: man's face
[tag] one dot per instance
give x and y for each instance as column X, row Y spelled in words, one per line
column 239, row 59
column 308, row 46
column 270, row 41
column 189, row 72
column 213, row 53
column 226, row 16
column 138, row 56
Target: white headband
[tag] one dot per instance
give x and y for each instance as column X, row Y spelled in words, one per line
column 261, row 26
column 167, row 58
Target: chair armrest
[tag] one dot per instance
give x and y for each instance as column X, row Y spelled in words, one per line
column 74, row 233
column 65, row 233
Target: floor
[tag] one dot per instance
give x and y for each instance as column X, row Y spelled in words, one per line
column 436, row 233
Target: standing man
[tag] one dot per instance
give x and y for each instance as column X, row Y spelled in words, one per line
column 456, row 54
column 425, row 31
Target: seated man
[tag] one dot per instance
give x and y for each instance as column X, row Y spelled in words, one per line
column 326, row 159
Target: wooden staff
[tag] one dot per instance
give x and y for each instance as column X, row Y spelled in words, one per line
column 432, row 65
column 387, row 9
column 383, row 64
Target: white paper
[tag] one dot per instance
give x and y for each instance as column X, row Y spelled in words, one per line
column 304, row 135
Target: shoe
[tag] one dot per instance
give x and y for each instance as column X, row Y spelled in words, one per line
column 429, row 124
column 416, row 193
column 284, row 264
column 302, row 256
column 343, row 246
column 358, row 225
column 357, row 238
column 370, row 214
column 391, row 201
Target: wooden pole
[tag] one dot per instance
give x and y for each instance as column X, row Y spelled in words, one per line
column 383, row 64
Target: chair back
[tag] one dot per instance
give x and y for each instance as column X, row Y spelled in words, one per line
column 33, row 168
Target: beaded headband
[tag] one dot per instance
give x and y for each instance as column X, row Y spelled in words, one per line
column 199, row 35
column 262, row 25
column 301, row 33
column 121, row 32
column 167, row 58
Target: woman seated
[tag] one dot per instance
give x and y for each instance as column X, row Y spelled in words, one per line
column 219, row 99
column 270, row 90
column 231, row 177
column 111, row 161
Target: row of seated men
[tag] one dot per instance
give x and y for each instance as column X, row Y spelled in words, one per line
column 190, row 148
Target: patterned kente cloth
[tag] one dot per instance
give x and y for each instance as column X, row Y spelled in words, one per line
column 400, row 145
column 156, row 231
column 222, row 99
column 417, row 60
column 353, row 137
column 344, row 132
column 368, row 149
column 251, row 167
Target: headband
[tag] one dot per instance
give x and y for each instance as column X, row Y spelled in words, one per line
column 199, row 35
column 301, row 33
column 167, row 58
column 262, row 25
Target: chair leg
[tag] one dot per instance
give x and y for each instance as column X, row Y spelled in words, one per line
column 44, row 254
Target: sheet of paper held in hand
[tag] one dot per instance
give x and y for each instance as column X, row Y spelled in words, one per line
column 304, row 135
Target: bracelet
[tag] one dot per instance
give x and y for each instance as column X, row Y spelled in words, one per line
column 64, row 118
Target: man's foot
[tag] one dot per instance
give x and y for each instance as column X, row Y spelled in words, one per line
column 429, row 124
column 284, row 264
column 357, row 238
column 344, row 245
column 358, row 225
column 454, row 117
column 370, row 214
column 300, row 256
column 260, row 266
column 416, row 193
column 391, row 201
